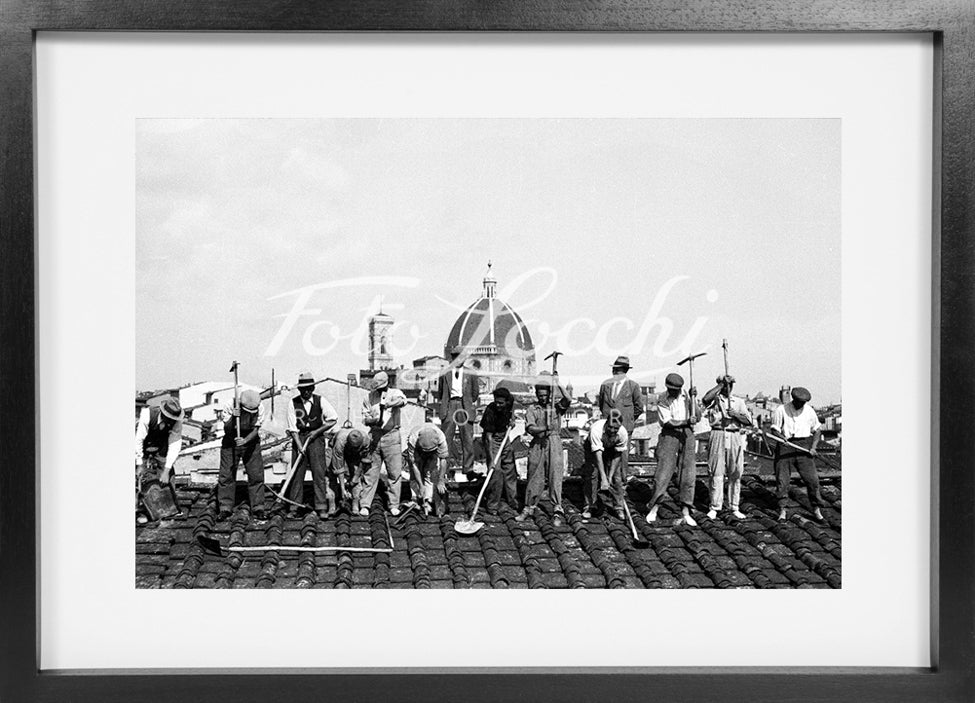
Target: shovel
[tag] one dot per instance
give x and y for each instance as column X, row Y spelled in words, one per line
column 637, row 541
column 470, row 527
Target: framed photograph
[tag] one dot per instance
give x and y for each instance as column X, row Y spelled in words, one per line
column 487, row 353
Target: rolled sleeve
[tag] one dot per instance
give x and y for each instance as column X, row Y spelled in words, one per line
column 175, row 445
column 329, row 413
column 292, row 417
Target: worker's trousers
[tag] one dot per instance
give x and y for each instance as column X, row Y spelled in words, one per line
column 504, row 480
column 316, row 458
column 675, row 447
column 726, row 460
column 424, row 477
column 227, row 479
column 787, row 459
column 590, row 480
column 455, row 414
column 385, row 449
column 545, row 472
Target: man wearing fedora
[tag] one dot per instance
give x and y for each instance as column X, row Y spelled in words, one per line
column 381, row 414
column 246, row 448
column 798, row 424
column 458, row 391
column 309, row 417
column 728, row 416
column 678, row 412
column 622, row 394
column 158, row 440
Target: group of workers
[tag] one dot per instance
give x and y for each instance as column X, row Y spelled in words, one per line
column 348, row 464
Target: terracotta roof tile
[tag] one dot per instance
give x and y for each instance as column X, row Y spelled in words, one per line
column 757, row 552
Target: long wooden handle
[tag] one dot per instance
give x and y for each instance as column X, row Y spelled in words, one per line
column 281, row 548
column 487, row 479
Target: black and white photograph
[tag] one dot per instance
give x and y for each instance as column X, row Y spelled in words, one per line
column 488, row 353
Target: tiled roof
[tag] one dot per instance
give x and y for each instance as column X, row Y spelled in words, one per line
column 757, row 552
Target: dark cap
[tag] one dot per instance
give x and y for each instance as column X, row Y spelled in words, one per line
column 674, row 380
column 502, row 392
column 801, row 394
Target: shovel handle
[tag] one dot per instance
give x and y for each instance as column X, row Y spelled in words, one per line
column 487, row 479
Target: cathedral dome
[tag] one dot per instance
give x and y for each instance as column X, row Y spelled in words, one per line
column 491, row 328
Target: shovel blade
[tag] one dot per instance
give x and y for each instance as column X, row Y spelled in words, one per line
column 467, row 527
column 210, row 545
column 640, row 543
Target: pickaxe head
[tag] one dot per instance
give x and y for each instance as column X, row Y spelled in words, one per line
column 690, row 358
column 233, row 367
column 554, row 355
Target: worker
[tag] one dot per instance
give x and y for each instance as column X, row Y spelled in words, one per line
column 603, row 450
column 458, row 392
column 496, row 423
column 543, row 421
column 728, row 416
column 158, row 439
column 309, row 417
column 623, row 394
column 246, row 448
column 678, row 412
column 797, row 423
column 426, row 456
column 349, row 462
column 381, row 413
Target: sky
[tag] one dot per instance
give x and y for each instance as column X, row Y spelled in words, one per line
column 271, row 241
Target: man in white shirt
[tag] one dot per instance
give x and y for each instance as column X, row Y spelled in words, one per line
column 604, row 449
column 309, row 417
column 458, row 393
column 381, row 414
column 426, row 455
column 158, row 440
column 728, row 416
column 797, row 423
column 678, row 412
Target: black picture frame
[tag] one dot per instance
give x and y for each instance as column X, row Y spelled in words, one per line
column 952, row 24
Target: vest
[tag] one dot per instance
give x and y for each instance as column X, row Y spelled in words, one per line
column 157, row 438
column 310, row 421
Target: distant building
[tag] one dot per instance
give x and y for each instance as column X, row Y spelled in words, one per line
column 420, row 382
column 494, row 339
column 380, row 326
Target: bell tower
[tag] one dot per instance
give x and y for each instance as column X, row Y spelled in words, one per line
column 380, row 326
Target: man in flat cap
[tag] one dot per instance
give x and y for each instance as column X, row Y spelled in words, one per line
column 158, row 440
column 458, row 392
column 381, row 413
column 309, row 417
column 543, row 422
column 497, row 421
column 426, row 456
column 797, row 423
column 601, row 473
column 678, row 412
column 246, row 448
column 350, row 461
column 622, row 394
column 728, row 416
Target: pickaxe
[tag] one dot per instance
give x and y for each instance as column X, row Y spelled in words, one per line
column 689, row 360
column 233, row 370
